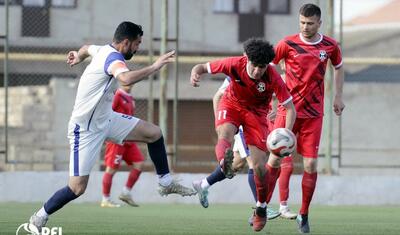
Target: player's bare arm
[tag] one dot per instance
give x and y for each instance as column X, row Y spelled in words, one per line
column 75, row 57
column 290, row 115
column 197, row 71
column 134, row 76
column 338, row 104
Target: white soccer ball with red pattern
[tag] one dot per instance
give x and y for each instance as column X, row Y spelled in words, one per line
column 281, row 142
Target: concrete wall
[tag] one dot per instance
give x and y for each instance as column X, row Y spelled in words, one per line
column 331, row 190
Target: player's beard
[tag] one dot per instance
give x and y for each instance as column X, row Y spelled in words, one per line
column 129, row 55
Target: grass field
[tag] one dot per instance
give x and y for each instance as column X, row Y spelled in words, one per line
column 193, row 219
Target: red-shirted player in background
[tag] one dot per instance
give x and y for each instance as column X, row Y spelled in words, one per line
column 246, row 102
column 306, row 55
column 129, row 152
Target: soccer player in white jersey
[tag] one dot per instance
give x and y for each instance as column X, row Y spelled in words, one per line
column 93, row 121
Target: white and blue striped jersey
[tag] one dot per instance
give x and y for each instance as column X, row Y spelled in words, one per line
column 93, row 103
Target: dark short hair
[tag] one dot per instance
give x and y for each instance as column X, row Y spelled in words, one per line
column 127, row 30
column 259, row 51
column 309, row 10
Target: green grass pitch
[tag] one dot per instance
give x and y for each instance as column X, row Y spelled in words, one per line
column 193, row 219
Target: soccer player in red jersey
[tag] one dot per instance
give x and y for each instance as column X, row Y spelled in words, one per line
column 306, row 55
column 246, row 102
column 129, row 152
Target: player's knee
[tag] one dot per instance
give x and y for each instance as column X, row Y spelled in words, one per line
column 154, row 134
column 310, row 165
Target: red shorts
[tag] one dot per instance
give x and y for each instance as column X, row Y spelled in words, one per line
column 254, row 122
column 308, row 132
column 129, row 152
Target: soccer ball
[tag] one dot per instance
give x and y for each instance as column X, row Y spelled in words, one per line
column 281, row 142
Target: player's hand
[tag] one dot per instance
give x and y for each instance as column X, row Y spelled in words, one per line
column 338, row 105
column 164, row 59
column 195, row 79
column 73, row 58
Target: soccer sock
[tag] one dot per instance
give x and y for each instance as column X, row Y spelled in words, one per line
column 252, row 184
column 261, row 187
column 42, row 213
column 216, row 176
column 284, row 178
column 165, row 180
column 220, row 149
column 159, row 156
column 204, row 184
column 59, row 199
column 107, row 182
column 132, row 178
column 308, row 186
column 273, row 174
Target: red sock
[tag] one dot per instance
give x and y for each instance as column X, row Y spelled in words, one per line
column 107, row 181
column 308, row 185
column 220, row 149
column 273, row 174
column 284, row 178
column 132, row 178
column 261, row 186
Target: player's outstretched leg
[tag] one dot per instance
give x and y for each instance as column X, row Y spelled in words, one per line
column 201, row 192
column 167, row 185
column 201, row 186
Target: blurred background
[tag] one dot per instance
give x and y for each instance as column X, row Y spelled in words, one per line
column 38, row 88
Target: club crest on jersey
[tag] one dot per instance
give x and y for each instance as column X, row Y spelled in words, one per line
column 323, row 55
column 261, row 87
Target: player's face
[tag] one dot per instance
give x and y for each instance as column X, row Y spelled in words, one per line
column 309, row 26
column 255, row 70
column 132, row 47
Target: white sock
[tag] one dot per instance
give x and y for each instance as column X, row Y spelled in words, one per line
column 204, row 184
column 165, row 180
column 259, row 204
column 126, row 190
column 106, row 198
column 42, row 213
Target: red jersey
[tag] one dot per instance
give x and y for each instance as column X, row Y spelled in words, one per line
column 123, row 103
column 305, row 69
column 246, row 91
